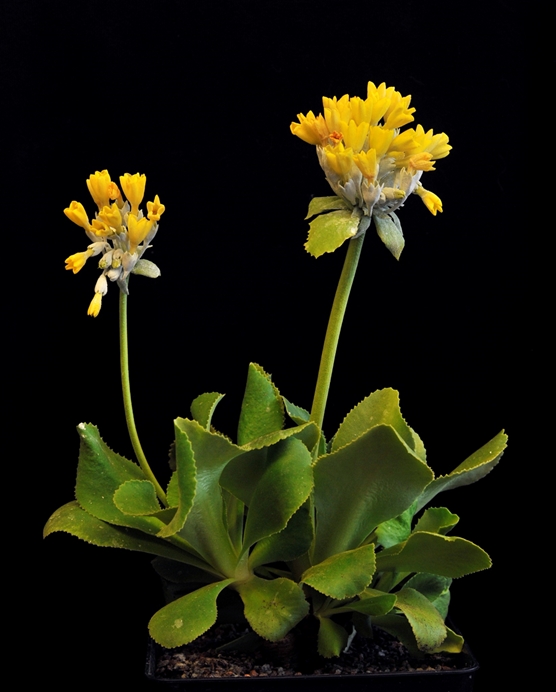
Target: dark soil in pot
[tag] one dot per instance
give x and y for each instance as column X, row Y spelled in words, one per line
column 295, row 656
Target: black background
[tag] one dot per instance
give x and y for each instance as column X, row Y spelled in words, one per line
column 200, row 99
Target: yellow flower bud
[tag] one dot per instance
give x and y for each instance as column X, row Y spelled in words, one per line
column 431, row 201
column 76, row 213
column 96, row 304
column 137, row 230
column 134, row 189
column 111, row 217
column 77, row 262
column 155, row 209
column 99, row 184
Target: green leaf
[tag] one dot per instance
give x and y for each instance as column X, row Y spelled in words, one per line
column 437, row 520
column 430, row 552
column 374, row 603
column 283, row 487
column 100, row 472
column 389, row 229
column 286, row 545
column 435, row 588
column 328, row 231
column 273, row 607
column 374, row 478
column 320, row 204
column 72, row 519
column 136, row 498
column 425, row 621
column 202, row 408
column 186, row 482
column 471, row 470
column 182, row 621
column 395, row 530
column 343, row 575
column 262, row 410
column 453, row 643
column 379, row 408
column 296, row 413
column 332, row 638
column 205, row 527
column 244, row 473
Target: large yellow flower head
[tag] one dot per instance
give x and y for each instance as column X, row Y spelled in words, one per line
column 119, row 232
column 368, row 161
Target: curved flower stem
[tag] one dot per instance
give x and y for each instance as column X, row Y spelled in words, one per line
column 128, row 408
column 334, row 327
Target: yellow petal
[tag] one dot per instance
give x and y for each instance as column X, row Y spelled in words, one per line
column 77, row 262
column 134, row 189
column 96, row 304
column 99, row 185
column 155, row 209
column 76, row 213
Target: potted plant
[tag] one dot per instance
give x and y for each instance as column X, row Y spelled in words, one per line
column 296, row 526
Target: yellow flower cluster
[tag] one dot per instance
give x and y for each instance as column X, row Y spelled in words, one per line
column 119, row 232
column 367, row 160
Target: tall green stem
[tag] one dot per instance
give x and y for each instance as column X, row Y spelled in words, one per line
column 128, row 408
column 334, row 328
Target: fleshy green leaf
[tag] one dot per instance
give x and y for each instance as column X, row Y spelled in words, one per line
column 437, row 520
column 471, row 470
column 320, row 204
column 72, row 519
column 425, row 621
column 182, row 621
column 283, row 487
column 328, row 231
column 379, row 408
column 435, row 588
column 395, row 530
column 100, row 473
column 389, row 229
column 202, row 408
column 296, row 413
column 343, row 575
column 136, row 498
column 286, row 545
column 374, row 603
column 273, row 607
column 205, row 527
column 262, row 410
column 186, row 481
column 453, row 643
column 332, row 638
column 374, row 478
column 430, row 552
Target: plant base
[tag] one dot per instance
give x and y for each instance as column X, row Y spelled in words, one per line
column 380, row 665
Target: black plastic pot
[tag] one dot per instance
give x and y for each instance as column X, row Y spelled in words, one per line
column 460, row 680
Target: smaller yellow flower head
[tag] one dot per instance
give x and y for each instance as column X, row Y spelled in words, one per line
column 134, row 189
column 119, row 234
